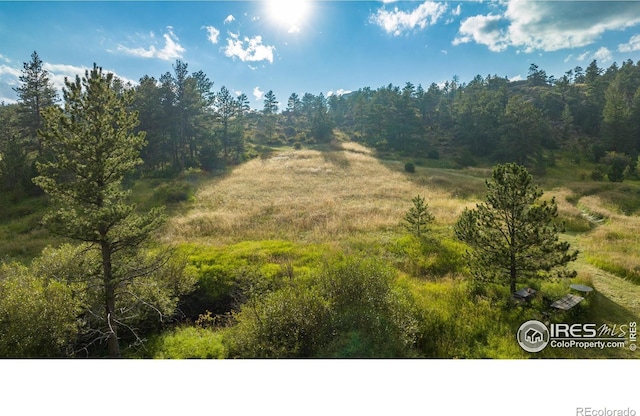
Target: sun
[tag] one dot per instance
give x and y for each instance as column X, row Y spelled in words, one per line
column 289, row 13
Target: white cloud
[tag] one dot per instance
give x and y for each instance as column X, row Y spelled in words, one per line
column 603, row 55
column 294, row 29
column 229, row 19
column 257, row 93
column 4, row 58
column 485, row 30
column 248, row 49
column 7, row 70
column 58, row 73
column 516, row 78
column 171, row 49
column 8, row 80
column 398, row 21
column 338, row 92
column 548, row 26
column 457, row 11
column 212, row 34
column 631, row 46
column 583, row 56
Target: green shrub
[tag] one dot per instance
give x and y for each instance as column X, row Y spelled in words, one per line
column 354, row 308
column 224, row 273
column 597, row 174
column 187, row 342
column 38, row 314
column 291, row 322
column 409, row 167
column 173, row 192
column 429, row 256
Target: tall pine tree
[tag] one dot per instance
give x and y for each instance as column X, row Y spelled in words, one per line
column 94, row 147
column 34, row 95
column 512, row 235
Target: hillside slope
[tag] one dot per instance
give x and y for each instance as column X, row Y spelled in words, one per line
column 309, row 196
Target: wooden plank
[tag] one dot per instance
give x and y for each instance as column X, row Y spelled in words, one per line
column 567, row 302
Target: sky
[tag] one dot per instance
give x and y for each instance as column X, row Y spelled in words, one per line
column 329, row 47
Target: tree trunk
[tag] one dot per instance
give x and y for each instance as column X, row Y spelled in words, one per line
column 513, row 273
column 113, row 346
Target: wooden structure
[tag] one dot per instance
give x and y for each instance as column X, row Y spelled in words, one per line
column 567, row 302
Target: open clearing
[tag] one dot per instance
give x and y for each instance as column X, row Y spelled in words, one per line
column 344, row 194
column 309, row 196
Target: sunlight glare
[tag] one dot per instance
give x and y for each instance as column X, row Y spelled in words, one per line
column 291, row 13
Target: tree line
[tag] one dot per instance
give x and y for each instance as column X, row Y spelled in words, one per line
column 588, row 111
column 593, row 112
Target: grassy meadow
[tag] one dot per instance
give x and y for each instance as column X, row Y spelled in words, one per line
column 294, row 211
column 264, row 237
column 309, row 196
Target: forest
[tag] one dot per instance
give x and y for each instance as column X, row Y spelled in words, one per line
column 169, row 219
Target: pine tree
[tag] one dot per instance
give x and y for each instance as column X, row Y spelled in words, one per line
column 512, row 235
column 94, row 147
column 270, row 103
column 34, row 95
column 616, row 115
column 418, row 217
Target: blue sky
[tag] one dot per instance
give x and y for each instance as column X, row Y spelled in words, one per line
column 318, row 47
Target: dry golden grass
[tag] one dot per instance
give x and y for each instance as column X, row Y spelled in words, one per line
column 615, row 244
column 308, row 195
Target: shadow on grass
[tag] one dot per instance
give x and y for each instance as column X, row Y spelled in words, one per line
column 604, row 310
column 333, row 153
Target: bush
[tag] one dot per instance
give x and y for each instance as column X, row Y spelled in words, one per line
column 597, row 174
column 288, row 323
column 187, row 342
column 409, row 167
column 353, row 309
column 617, row 164
column 173, row 192
column 38, row 314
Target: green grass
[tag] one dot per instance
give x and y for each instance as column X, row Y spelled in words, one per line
column 287, row 215
column 22, row 236
column 186, row 342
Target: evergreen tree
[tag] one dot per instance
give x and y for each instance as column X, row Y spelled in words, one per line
column 227, row 108
column 418, row 217
column 513, row 235
column 294, row 106
column 536, row 76
column 14, row 166
column 269, row 111
column 35, row 94
column 243, row 104
column 270, row 103
column 94, row 146
column 615, row 120
column 523, row 130
column 321, row 126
